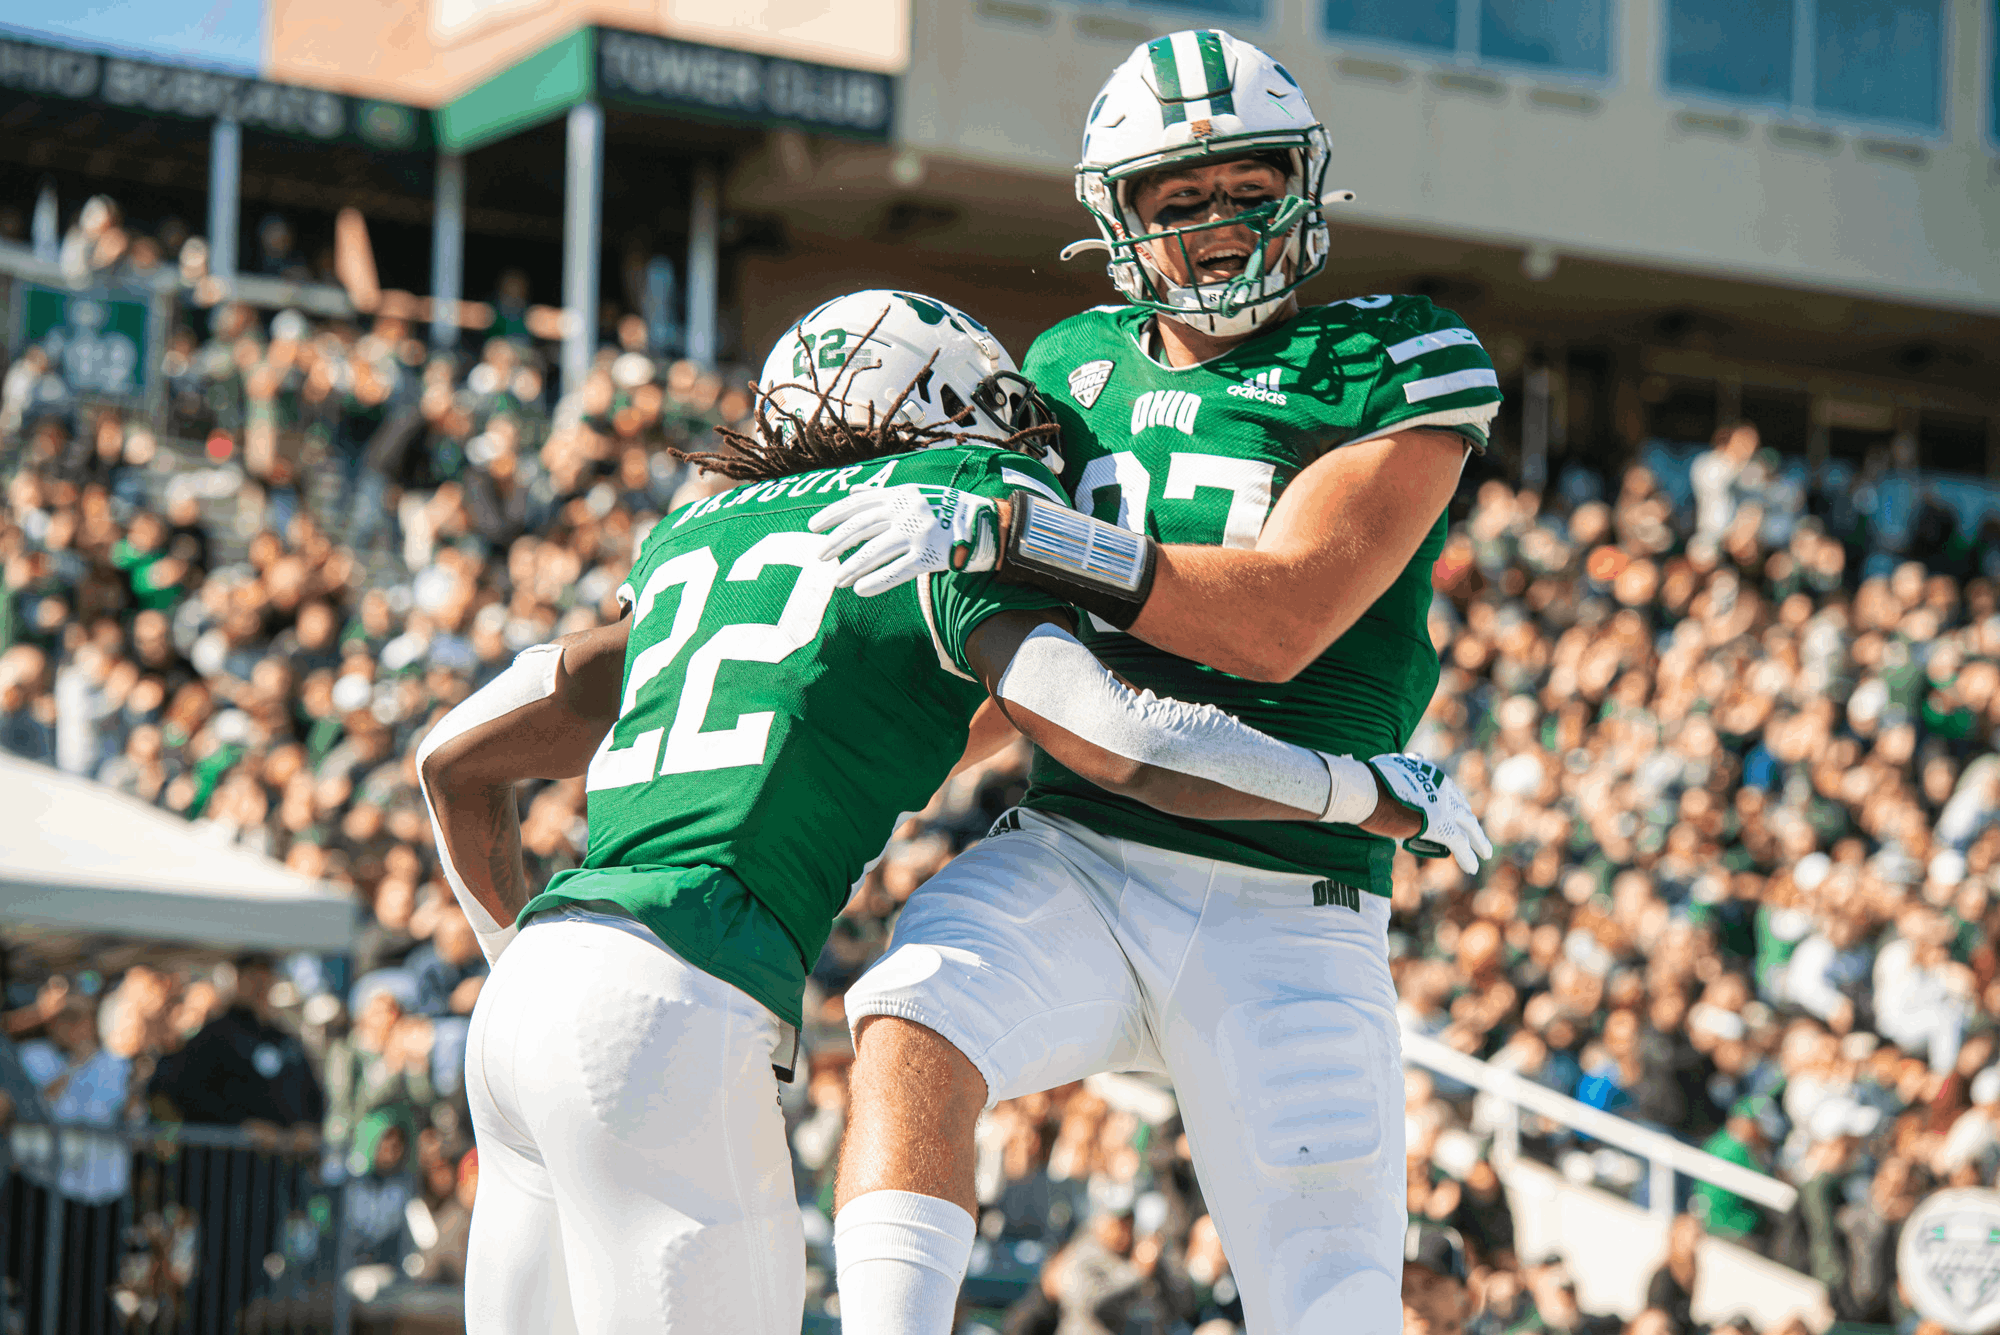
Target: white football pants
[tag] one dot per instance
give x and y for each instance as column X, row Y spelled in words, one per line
column 633, row 1173
column 1048, row 953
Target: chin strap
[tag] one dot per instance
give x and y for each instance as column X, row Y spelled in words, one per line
column 1083, row 247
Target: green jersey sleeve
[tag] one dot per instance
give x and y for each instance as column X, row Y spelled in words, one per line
column 955, row 603
column 1433, row 370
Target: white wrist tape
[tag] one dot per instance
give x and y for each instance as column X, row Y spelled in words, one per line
column 1055, row 676
column 530, row 677
column 1354, row 796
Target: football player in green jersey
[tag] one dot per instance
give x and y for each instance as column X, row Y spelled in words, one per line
column 1262, row 490
column 748, row 735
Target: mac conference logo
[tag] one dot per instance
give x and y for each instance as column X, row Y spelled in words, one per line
column 1086, row 382
column 1949, row 1259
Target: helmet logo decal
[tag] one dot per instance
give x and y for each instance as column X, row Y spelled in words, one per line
column 928, row 311
column 1087, row 381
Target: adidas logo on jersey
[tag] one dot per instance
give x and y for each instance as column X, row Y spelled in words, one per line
column 1086, row 382
column 1263, row 387
column 1166, row 407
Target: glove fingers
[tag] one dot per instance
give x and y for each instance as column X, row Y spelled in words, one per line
column 873, row 555
column 856, row 530
column 826, row 517
column 1461, row 853
column 1480, row 843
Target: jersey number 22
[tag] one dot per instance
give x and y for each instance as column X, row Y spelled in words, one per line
column 686, row 747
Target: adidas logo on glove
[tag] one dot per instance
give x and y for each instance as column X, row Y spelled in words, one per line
column 1263, row 387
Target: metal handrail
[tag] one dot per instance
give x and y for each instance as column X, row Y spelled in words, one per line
column 36, row 1149
column 1666, row 1155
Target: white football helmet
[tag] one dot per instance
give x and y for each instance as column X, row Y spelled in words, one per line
column 1204, row 96
column 884, row 352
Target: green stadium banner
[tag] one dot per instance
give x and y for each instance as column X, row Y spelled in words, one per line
column 538, row 89
column 97, row 340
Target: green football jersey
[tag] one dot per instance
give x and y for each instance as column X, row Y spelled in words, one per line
column 1198, row 455
column 772, row 727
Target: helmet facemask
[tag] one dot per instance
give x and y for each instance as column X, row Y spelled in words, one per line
column 1294, row 224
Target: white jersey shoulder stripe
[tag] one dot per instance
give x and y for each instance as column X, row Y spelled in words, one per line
column 1020, row 479
column 1437, row 386
column 1431, row 342
column 1480, row 415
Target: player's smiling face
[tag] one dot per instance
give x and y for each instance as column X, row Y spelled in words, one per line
column 1185, row 196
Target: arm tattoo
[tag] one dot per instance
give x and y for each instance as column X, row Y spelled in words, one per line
column 504, row 869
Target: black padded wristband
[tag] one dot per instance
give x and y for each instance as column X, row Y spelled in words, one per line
column 1101, row 568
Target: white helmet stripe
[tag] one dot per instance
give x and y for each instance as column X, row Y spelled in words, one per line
column 1187, row 59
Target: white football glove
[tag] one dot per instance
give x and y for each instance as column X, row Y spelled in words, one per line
column 1450, row 829
column 907, row 531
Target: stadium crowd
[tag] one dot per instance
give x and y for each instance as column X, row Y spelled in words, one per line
column 1737, row 760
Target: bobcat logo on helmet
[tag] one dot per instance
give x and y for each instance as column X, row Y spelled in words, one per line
column 911, row 358
column 1194, row 97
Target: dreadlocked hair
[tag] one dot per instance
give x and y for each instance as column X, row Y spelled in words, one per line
column 788, row 442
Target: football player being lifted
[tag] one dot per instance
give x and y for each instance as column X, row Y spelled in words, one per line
column 1259, row 495
column 748, row 734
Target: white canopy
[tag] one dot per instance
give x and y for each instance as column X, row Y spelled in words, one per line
column 76, row 856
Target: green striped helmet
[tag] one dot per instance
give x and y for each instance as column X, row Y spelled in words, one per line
column 1191, row 97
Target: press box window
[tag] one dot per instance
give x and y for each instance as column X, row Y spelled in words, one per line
column 1572, row 36
column 1869, row 60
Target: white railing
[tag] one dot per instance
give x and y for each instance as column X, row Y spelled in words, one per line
column 1664, row 1156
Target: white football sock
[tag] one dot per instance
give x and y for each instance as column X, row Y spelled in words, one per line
column 900, row 1257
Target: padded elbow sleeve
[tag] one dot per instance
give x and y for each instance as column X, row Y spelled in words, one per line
column 1058, row 678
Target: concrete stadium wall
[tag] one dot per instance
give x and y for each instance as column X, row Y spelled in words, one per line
column 1613, row 169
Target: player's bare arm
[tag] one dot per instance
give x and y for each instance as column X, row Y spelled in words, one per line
column 989, row 732
column 540, row 719
column 1335, row 541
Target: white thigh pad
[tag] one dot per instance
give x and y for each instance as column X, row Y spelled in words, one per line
column 530, row 677
column 1053, row 674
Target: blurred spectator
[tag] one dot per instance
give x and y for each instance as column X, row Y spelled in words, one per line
column 1741, row 1140
column 441, row 1255
column 379, row 1194
column 83, row 1083
column 242, row 1067
column 1434, row 1298
column 383, row 1063
column 1102, row 1273
column 1671, row 1290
